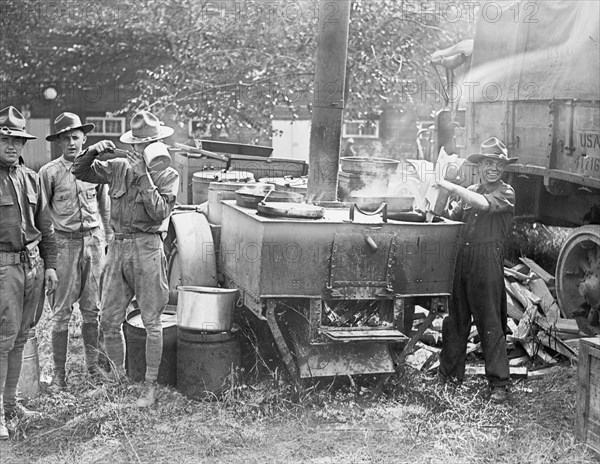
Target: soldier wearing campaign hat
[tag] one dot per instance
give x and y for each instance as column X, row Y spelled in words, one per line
column 142, row 198
column 27, row 259
column 487, row 210
column 80, row 213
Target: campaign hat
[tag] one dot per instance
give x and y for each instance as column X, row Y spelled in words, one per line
column 12, row 123
column 66, row 122
column 146, row 127
column 492, row 149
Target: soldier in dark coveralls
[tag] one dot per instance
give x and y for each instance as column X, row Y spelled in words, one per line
column 27, row 259
column 487, row 210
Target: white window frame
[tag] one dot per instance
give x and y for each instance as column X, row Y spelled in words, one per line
column 99, row 129
column 360, row 135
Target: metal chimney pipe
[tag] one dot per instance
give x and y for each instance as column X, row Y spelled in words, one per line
column 328, row 100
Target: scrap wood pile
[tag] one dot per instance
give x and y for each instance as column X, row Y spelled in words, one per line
column 538, row 330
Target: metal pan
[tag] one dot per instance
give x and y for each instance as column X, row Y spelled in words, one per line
column 249, row 199
column 291, row 210
column 396, row 203
column 408, row 216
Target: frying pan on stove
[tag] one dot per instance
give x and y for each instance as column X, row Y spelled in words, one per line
column 290, row 210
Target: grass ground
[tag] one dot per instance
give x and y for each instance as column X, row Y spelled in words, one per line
column 261, row 419
column 413, row 420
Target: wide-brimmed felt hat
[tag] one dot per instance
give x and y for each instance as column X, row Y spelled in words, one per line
column 145, row 127
column 12, row 123
column 66, row 122
column 493, row 149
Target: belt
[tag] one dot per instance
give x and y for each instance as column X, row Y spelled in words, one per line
column 87, row 233
column 120, row 236
column 28, row 255
column 8, row 258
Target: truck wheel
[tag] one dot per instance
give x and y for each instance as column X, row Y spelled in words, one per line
column 190, row 251
column 578, row 271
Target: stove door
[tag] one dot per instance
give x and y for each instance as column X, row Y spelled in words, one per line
column 361, row 266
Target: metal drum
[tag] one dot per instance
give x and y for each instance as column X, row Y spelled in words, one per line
column 218, row 191
column 205, row 362
column 201, row 182
column 135, row 339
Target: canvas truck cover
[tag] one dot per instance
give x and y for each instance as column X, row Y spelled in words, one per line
column 536, row 50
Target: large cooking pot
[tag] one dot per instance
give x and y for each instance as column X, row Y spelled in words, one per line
column 367, row 165
column 205, row 309
column 396, row 203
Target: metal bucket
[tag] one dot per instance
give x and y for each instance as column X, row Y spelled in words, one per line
column 205, row 363
column 205, row 309
column 29, row 381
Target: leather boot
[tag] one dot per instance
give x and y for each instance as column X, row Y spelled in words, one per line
column 89, row 333
column 59, row 355
column 19, row 411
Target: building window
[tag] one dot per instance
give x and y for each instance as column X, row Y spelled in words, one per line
column 361, row 129
column 107, row 126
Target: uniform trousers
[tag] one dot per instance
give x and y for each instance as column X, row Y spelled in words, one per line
column 21, row 306
column 135, row 266
column 478, row 294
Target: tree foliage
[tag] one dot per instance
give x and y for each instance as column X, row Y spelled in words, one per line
column 226, row 63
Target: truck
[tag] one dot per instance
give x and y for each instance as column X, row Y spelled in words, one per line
column 532, row 80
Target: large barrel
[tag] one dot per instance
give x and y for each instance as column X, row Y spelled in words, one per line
column 218, row 191
column 202, row 180
column 135, row 339
column 29, row 381
column 205, row 363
